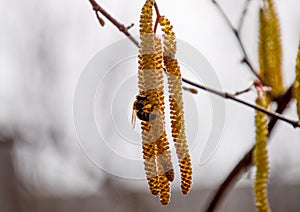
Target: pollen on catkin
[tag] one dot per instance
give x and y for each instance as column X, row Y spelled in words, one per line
column 164, row 186
column 260, row 156
column 176, row 104
column 270, row 55
column 149, row 147
column 296, row 88
column 157, row 156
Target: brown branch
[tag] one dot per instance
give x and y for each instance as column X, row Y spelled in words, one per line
column 236, row 32
column 294, row 123
column 246, row 161
column 158, row 16
column 121, row 27
column 243, row 16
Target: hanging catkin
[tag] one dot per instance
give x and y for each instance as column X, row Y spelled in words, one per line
column 296, row 90
column 176, row 104
column 270, row 57
column 157, row 157
column 261, row 156
column 149, row 147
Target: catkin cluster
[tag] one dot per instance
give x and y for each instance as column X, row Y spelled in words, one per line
column 270, row 71
column 156, row 153
column 157, row 157
column 270, row 57
column 261, row 156
column 176, row 104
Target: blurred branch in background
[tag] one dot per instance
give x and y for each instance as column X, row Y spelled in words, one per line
column 282, row 103
column 9, row 195
column 236, row 32
column 247, row 161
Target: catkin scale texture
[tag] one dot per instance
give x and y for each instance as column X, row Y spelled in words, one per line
column 157, row 157
column 176, row 104
column 270, row 55
column 149, row 147
column 261, row 157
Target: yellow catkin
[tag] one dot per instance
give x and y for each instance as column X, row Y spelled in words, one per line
column 157, row 157
column 261, row 156
column 149, row 147
column 164, row 186
column 163, row 154
column 270, row 56
column 176, row 104
column 296, row 90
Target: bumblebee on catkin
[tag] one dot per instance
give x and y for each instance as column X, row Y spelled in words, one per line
column 296, row 89
column 176, row 104
column 157, row 157
column 270, row 48
column 261, row 156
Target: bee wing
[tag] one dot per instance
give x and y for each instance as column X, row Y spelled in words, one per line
column 133, row 118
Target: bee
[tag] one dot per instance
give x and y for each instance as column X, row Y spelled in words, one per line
column 142, row 109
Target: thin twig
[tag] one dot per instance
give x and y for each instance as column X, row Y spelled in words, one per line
column 236, row 32
column 120, row 26
column 158, row 16
column 244, row 90
column 130, row 26
column 226, row 95
column 247, row 161
column 243, row 16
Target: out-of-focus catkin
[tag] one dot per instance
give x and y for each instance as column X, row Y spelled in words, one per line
column 157, row 157
column 176, row 104
column 296, row 90
column 270, row 56
column 261, row 156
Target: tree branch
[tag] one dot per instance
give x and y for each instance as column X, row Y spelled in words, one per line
column 236, row 32
column 243, row 16
column 158, row 16
column 294, row 123
column 121, row 27
column 247, row 160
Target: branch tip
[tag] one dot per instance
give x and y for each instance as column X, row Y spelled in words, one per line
column 130, row 26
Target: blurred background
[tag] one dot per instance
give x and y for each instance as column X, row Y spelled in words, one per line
column 45, row 45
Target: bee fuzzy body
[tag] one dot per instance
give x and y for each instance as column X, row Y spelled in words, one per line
column 143, row 109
